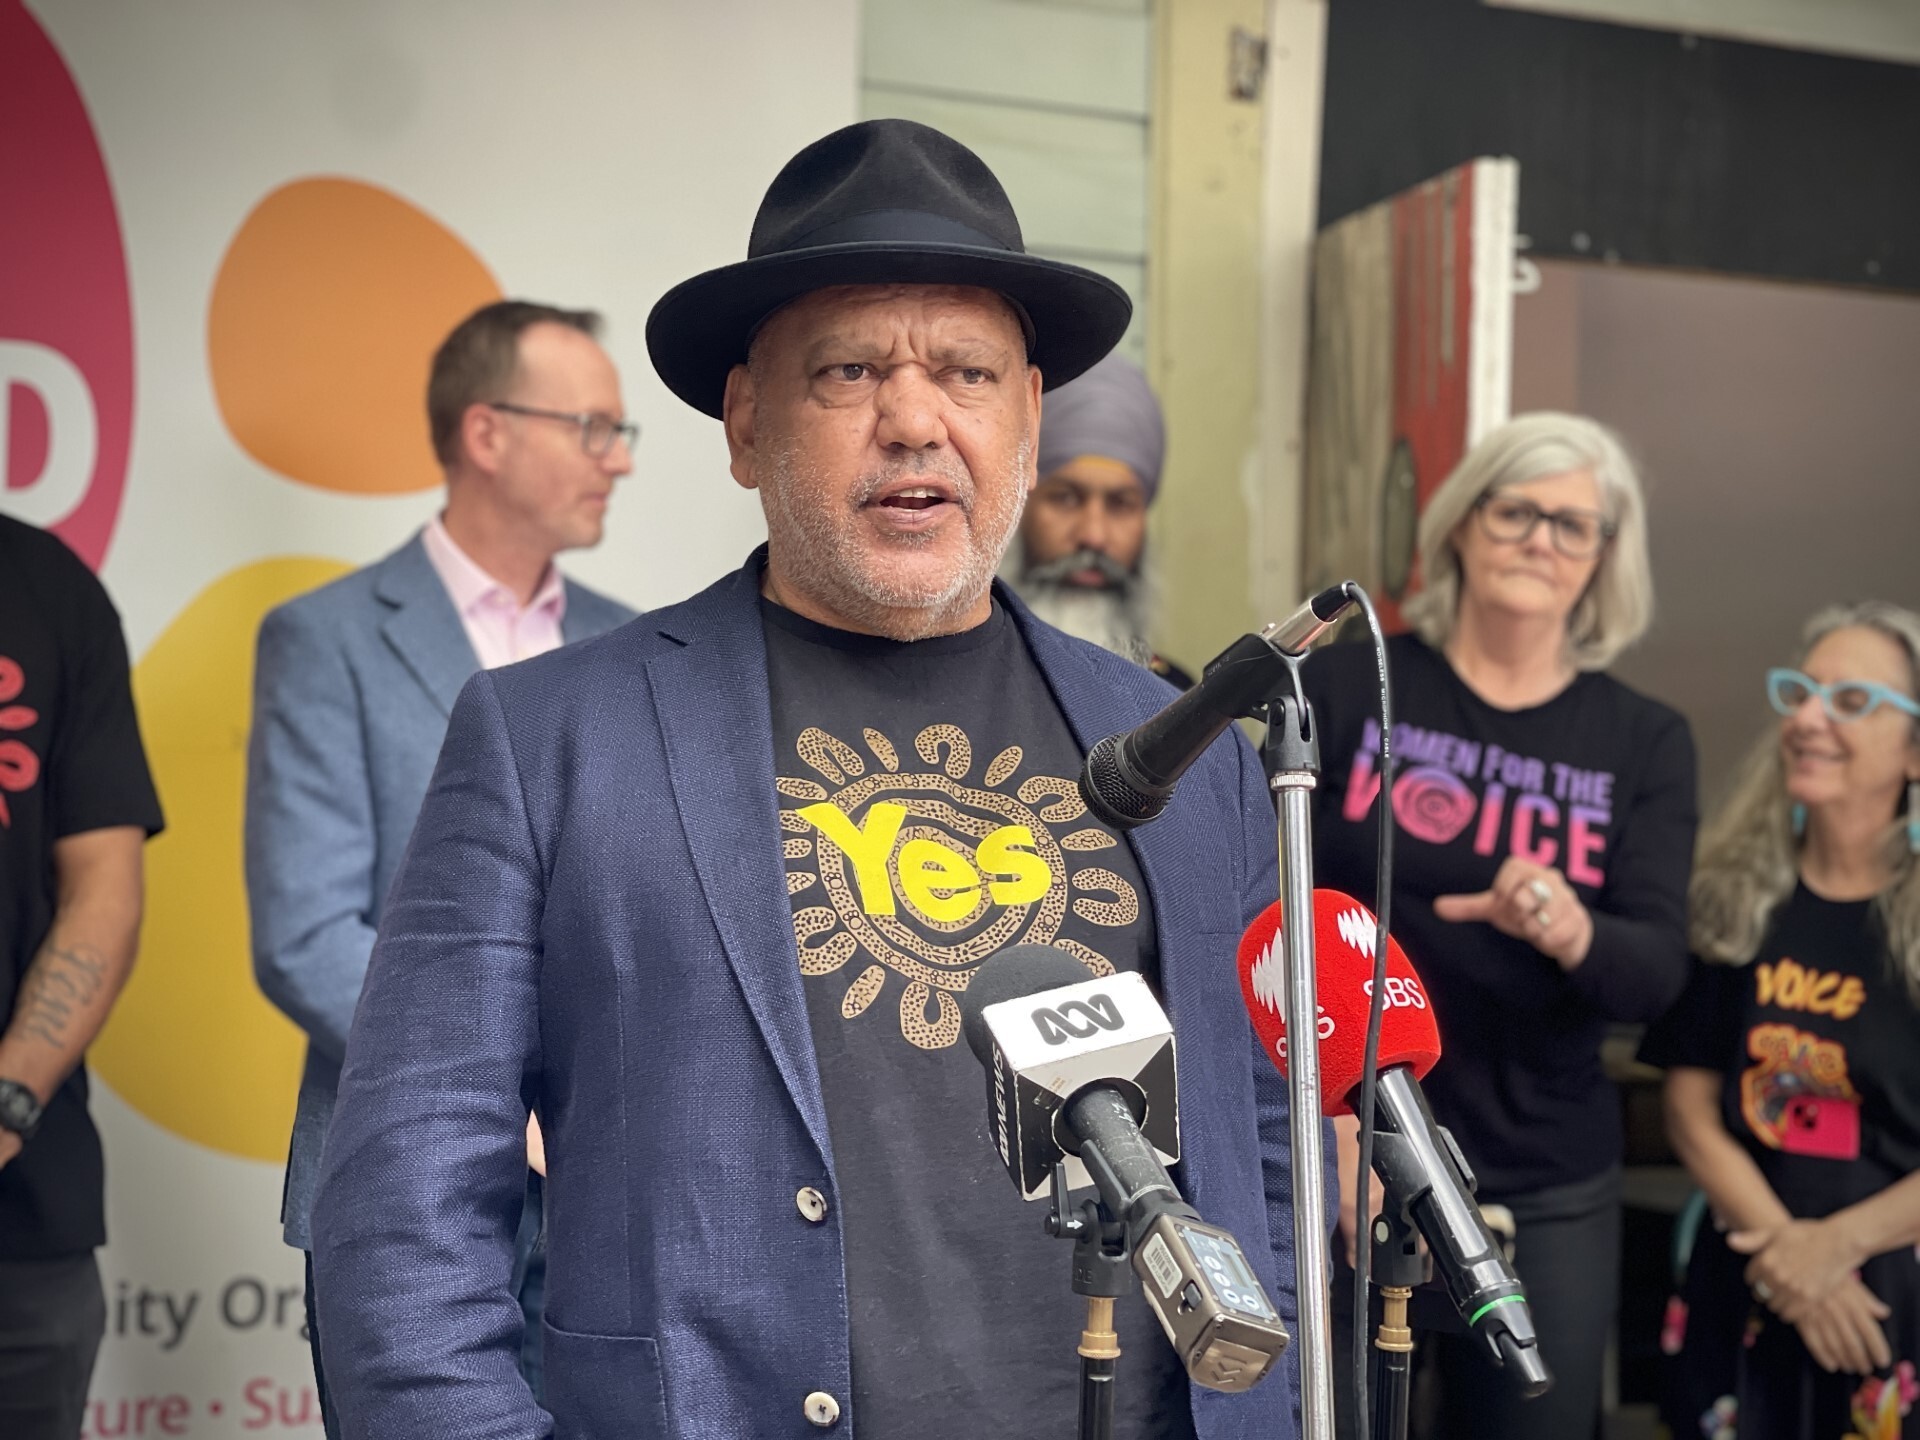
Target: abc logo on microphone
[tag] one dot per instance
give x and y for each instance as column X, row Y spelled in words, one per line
column 1046, row 1047
column 1078, row 1019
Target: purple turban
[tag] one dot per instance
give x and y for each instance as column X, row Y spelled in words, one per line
column 1110, row 411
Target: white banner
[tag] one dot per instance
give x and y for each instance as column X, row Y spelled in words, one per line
column 231, row 233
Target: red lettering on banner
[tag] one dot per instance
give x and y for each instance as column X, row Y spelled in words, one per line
column 136, row 1415
column 274, row 1406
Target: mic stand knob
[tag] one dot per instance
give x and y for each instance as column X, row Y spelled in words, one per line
column 1102, row 1271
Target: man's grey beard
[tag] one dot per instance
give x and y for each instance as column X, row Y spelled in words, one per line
column 1115, row 617
column 824, row 562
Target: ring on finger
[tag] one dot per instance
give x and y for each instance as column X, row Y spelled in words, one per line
column 1541, row 890
column 1762, row 1291
column 1543, row 919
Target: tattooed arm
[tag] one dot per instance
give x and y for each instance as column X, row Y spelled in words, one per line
column 76, row 976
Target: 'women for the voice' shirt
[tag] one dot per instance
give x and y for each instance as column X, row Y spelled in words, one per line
column 1597, row 783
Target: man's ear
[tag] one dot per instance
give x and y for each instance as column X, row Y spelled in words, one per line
column 483, row 436
column 736, row 416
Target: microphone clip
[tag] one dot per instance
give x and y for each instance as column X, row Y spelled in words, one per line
column 1102, row 1256
column 1291, row 744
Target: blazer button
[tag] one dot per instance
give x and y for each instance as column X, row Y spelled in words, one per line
column 813, row 1205
column 822, row 1409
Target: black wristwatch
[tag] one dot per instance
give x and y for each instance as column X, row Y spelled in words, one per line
column 19, row 1111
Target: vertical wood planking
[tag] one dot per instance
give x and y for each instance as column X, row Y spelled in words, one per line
column 1054, row 95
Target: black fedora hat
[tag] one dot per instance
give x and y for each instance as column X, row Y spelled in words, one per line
column 880, row 202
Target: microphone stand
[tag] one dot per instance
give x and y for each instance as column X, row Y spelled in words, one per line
column 1291, row 752
column 1128, row 781
column 1398, row 1266
column 1102, row 1272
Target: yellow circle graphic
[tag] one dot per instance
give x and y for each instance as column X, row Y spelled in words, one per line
column 192, row 1044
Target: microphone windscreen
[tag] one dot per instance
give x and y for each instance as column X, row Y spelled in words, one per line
column 1343, row 937
column 1007, row 975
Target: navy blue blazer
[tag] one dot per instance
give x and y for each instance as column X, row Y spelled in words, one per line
column 593, row 918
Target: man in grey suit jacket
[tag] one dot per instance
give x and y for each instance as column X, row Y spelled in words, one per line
column 355, row 681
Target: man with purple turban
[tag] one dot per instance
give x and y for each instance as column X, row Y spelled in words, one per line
column 1079, row 564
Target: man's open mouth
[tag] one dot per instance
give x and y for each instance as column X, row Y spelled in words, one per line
column 920, row 497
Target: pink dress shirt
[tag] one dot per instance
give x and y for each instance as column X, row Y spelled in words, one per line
column 500, row 628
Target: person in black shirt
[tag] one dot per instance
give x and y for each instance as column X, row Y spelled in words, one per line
column 944, row 753
column 1793, row 1060
column 76, row 806
column 761, row 842
column 1546, row 817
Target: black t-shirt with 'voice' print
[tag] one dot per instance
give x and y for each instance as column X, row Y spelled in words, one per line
column 1598, row 783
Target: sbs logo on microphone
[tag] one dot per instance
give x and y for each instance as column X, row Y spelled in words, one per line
column 1268, row 976
column 1324, row 1027
column 1403, row 992
column 1269, row 979
column 1358, row 929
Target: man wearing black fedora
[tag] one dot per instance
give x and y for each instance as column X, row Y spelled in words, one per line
column 704, row 892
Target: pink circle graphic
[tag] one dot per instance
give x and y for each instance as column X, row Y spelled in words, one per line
column 1432, row 804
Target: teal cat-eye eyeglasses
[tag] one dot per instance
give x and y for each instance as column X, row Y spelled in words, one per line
column 1842, row 700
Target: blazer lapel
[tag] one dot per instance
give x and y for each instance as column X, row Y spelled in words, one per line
column 424, row 628
column 714, row 712
column 1185, row 860
column 1096, row 709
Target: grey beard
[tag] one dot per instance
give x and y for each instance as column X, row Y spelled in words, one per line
column 1114, row 618
column 829, row 566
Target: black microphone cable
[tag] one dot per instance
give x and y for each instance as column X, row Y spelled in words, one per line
column 1376, row 1011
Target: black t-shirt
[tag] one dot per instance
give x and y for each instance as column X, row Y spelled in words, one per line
column 1598, row 783
column 1820, row 1045
column 70, row 762
column 931, row 818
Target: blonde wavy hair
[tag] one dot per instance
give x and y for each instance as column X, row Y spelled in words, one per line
column 1617, row 607
column 1747, row 860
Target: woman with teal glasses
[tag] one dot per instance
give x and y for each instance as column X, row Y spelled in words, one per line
column 1793, row 1060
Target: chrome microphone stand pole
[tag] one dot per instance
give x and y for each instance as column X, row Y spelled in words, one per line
column 1125, row 790
column 1292, row 755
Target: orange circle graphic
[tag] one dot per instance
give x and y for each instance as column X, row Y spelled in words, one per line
column 324, row 318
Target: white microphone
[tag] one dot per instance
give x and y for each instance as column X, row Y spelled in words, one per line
column 1083, row 1071
column 1044, row 1031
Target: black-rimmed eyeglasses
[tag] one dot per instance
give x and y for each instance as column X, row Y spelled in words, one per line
column 597, row 432
column 1577, row 534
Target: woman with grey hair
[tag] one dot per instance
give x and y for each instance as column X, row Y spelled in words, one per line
column 1547, row 818
column 1793, row 1058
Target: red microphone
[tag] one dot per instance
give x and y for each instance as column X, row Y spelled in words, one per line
column 1343, row 940
column 1425, row 1174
